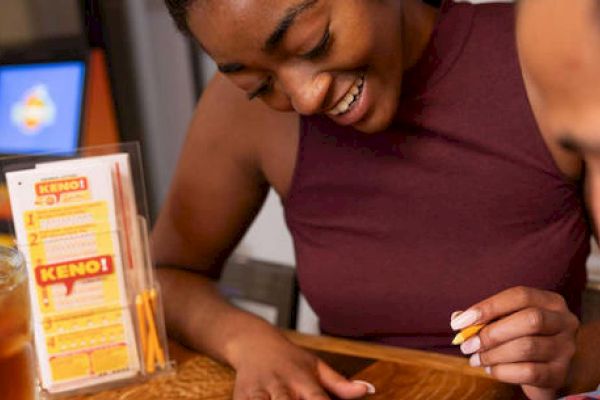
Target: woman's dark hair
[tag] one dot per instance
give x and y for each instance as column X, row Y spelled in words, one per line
column 179, row 11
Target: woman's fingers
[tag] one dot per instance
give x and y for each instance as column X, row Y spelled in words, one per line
column 525, row 323
column 310, row 389
column 340, row 386
column 251, row 394
column 280, row 391
column 529, row 339
column 525, row 349
column 282, row 371
column 306, row 387
column 508, row 302
column 537, row 393
column 541, row 375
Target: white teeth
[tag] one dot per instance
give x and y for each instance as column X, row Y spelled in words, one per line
column 350, row 97
column 342, row 107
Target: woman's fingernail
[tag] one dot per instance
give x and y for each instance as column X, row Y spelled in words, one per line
column 488, row 370
column 370, row 387
column 455, row 314
column 475, row 361
column 465, row 319
column 471, row 346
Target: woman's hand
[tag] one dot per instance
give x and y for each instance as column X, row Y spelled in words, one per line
column 529, row 339
column 272, row 368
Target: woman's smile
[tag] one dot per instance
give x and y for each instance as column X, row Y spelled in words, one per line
column 349, row 99
column 353, row 105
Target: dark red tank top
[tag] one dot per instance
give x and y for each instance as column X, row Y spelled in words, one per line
column 459, row 199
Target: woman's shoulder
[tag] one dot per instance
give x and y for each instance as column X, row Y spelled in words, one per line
column 261, row 138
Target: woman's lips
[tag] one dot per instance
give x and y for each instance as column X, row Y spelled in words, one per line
column 352, row 108
column 349, row 99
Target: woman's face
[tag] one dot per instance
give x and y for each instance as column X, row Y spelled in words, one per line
column 342, row 58
column 559, row 47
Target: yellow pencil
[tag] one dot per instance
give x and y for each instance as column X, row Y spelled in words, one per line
column 160, row 355
column 150, row 351
column 467, row 333
column 150, row 359
column 153, row 296
column 154, row 352
column 139, row 308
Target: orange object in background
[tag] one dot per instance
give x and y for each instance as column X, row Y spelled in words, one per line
column 5, row 217
column 16, row 352
column 100, row 122
column 4, row 203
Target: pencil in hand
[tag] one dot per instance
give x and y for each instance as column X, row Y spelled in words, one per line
column 467, row 333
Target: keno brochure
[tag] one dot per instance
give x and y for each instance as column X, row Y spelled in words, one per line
column 76, row 224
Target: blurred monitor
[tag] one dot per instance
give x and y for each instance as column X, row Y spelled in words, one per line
column 41, row 106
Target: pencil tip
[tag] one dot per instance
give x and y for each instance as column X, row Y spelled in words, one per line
column 458, row 339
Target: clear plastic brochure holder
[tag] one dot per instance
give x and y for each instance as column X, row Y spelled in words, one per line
column 80, row 221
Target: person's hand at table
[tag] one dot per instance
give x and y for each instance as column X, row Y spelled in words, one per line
column 529, row 339
column 276, row 369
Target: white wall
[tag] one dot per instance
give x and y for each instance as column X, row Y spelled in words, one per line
column 269, row 239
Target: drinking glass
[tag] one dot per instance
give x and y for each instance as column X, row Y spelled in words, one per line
column 17, row 380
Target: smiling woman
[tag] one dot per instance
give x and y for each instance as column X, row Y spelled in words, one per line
column 307, row 56
column 415, row 179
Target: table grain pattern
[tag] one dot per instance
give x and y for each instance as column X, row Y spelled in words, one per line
column 396, row 373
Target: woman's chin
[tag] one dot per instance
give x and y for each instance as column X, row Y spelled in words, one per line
column 376, row 122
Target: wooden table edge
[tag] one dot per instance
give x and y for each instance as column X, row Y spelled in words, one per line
column 385, row 353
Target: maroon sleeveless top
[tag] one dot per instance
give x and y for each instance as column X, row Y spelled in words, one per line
column 459, row 199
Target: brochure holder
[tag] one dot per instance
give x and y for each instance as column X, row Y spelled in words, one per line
column 80, row 221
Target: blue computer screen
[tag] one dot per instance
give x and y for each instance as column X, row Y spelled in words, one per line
column 41, row 107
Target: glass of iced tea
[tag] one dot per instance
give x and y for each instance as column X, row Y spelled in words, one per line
column 17, row 371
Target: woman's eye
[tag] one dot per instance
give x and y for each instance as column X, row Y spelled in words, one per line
column 263, row 89
column 320, row 49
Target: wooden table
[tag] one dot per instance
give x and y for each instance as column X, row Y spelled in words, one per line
column 396, row 373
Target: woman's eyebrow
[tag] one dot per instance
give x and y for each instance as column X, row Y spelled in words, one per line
column 285, row 23
column 276, row 37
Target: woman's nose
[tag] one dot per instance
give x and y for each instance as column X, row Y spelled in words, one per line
column 306, row 89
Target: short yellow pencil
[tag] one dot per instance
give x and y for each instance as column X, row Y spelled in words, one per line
column 154, row 352
column 467, row 333
column 153, row 296
column 160, row 355
column 139, row 308
column 150, row 359
column 151, row 332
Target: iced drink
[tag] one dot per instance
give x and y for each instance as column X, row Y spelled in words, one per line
column 16, row 352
